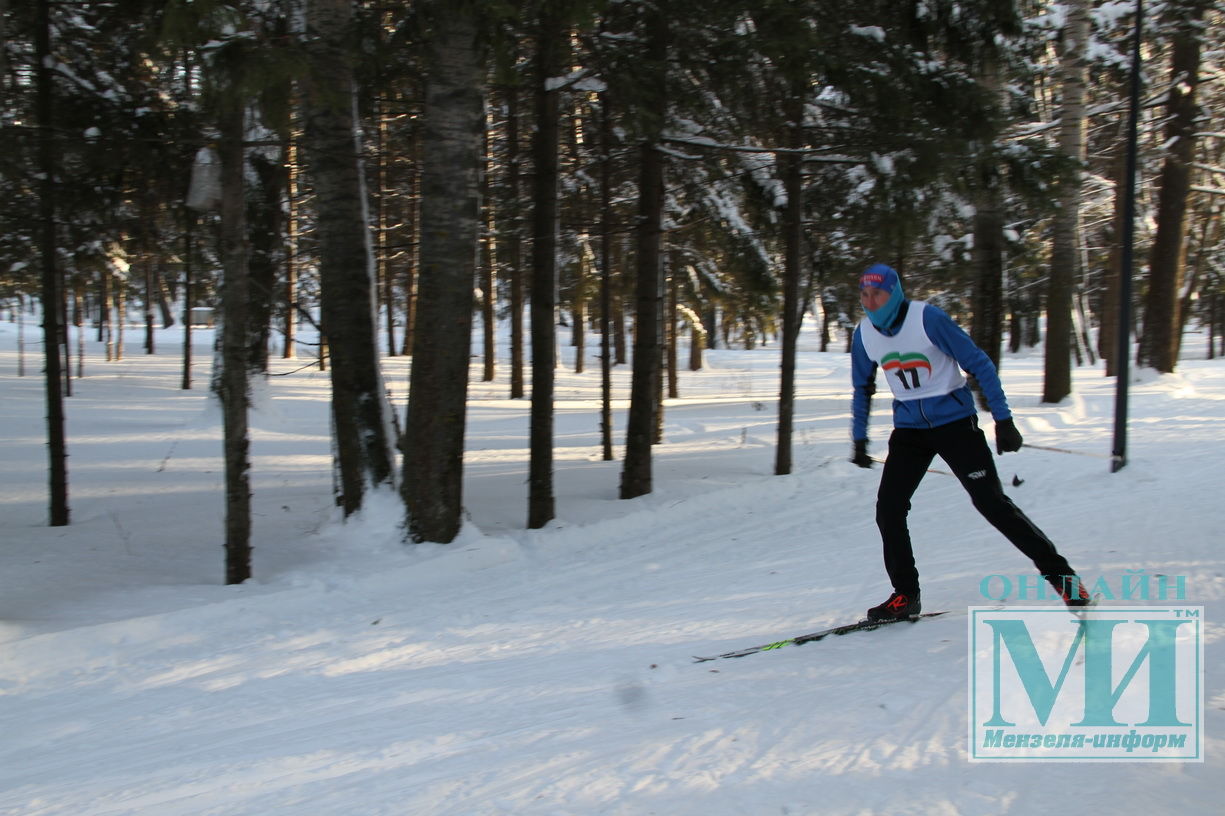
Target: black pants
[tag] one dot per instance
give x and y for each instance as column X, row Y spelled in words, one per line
column 964, row 447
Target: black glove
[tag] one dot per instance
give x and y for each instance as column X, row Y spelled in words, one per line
column 860, row 456
column 1007, row 437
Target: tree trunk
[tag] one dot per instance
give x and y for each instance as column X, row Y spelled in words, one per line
column 78, row 322
column 987, row 329
column 382, row 203
column 636, row 476
column 121, row 313
column 450, row 232
column 146, row 264
column 514, row 243
column 793, row 241
column 550, row 33
column 413, row 273
column 672, row 337
column 620, row 284
column 293, row 177
column 266, row 233
column 1057, row 383
column 57, row 446
column 578, row 311
column 189, row 241
column 1108, row 330
column 489, row 277
column 231, row 382
column 1159, row 345
column 606, row 281
column 362, row 432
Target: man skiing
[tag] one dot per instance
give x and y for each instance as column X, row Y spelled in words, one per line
column 923, row 353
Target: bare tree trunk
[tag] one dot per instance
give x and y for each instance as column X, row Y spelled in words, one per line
column 1208, row 238
column 189, row 226
column 1160, row 343
column 382, row 253
column 489, row 275
column 266, row 231
column 65, row 348
column 636, row 474
column 606, row 279
column 57, row 446
column 987, row 329
column 146, row 265
column 579, row 311
column 78, row 322
column 549, row 42
column 793, row 239
column 673, row 382
column 21, row 335
column 231, row 382
column 1107, row 337
column 360, row 414
column 121, row 314
column 450, row 231
column 1057, row 383
column 413, row 272
column 697, row 339
column 620, row 284
column 291, row 247
column 514, row 243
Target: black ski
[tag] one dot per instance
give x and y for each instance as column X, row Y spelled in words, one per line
column 846, row 628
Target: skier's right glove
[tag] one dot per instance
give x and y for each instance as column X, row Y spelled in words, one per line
column 860, row 456
column 1007, row 438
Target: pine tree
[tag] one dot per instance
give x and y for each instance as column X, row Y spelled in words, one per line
column 450, row 229
column 360, row 419
column 636, row 473
column 1074, row 75
column 1161, row 340
column 550, row 34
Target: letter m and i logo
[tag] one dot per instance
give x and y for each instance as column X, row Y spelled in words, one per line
column 1118, row 684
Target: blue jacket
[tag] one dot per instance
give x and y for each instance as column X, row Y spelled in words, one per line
column 934, row 411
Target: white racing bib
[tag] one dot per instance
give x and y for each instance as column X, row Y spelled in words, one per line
column 913, row 366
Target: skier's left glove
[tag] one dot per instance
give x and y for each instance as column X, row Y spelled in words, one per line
column 860, row 455
column 1007, row 437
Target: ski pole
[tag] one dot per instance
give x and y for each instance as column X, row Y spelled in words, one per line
column 1053, row 449
column 1017, row 481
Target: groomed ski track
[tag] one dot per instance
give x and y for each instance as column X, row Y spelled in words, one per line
column 549, row 672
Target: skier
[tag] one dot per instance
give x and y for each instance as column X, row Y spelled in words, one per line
column 923, row 353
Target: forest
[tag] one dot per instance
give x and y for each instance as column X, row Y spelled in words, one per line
column 405, row 177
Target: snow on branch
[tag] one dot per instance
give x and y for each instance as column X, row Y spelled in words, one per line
column 804, row 151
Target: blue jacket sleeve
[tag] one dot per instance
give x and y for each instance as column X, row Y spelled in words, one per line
column 863, row 381
column 953, row 341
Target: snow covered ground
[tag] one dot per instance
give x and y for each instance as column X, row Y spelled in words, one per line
column 549, row 672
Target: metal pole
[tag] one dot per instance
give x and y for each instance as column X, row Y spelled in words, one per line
column 1118, row 457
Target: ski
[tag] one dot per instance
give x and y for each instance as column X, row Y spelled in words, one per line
column 844, row 629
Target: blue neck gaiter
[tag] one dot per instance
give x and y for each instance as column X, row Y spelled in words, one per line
column 883, row 317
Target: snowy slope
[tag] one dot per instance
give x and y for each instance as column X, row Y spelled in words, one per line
column 549, row 672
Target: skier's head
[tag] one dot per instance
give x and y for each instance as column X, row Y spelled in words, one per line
column 880, row 293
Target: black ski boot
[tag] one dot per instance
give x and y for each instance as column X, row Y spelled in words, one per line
column 1072, row 590
column 899, row 606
